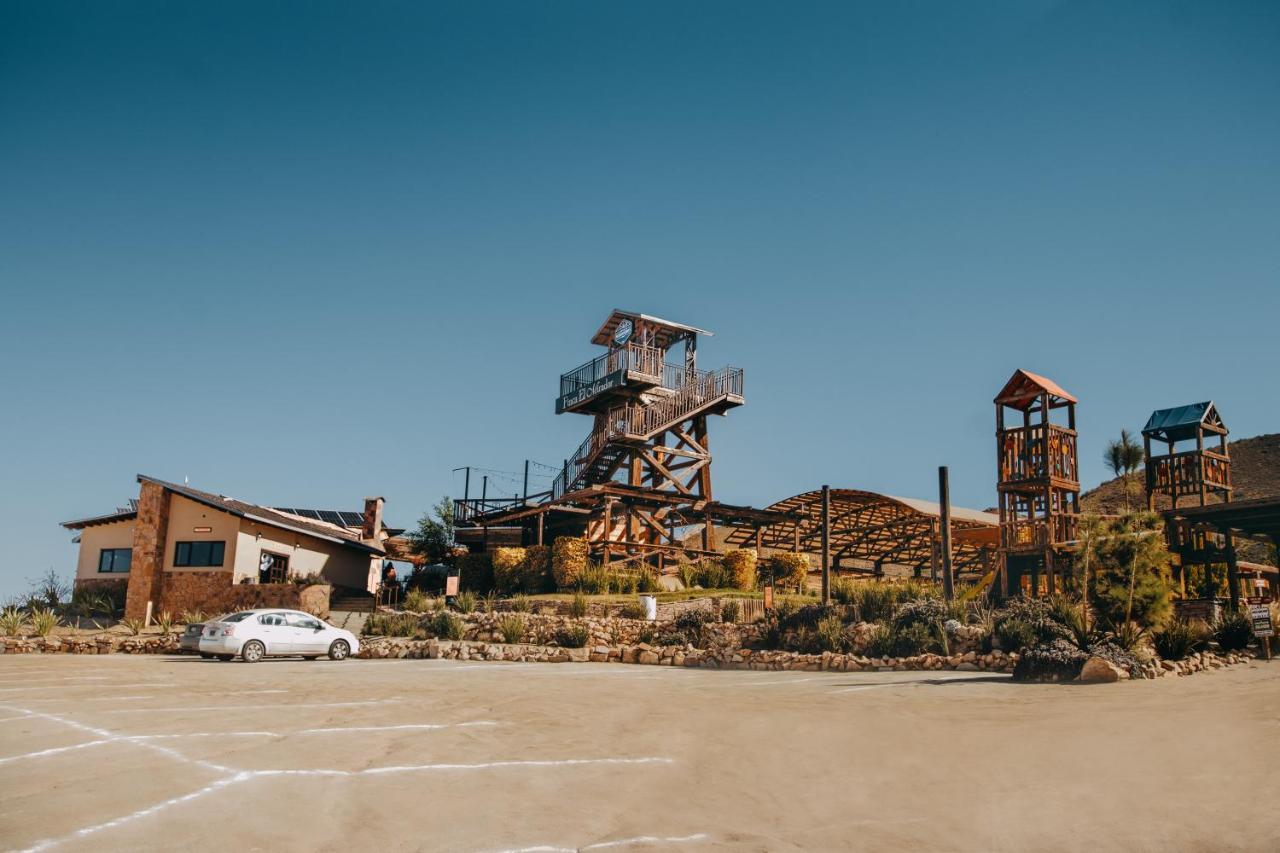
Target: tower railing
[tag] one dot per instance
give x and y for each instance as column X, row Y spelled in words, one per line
column 1182, row 473
column 633, row 358
column 1023, row 457
column 698, row 389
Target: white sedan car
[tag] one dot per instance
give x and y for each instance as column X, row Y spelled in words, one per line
column 255, row 634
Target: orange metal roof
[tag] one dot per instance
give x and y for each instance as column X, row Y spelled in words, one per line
column 1024, row 386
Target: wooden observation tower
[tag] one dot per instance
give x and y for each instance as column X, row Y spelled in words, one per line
column 1039, row 479
column 642, row 476
column 1191, row 470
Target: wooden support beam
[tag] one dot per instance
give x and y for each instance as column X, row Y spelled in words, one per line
column 826, row 545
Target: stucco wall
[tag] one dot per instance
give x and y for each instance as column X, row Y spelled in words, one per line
column 184, row 516
column 307, row 555
column 117, row 534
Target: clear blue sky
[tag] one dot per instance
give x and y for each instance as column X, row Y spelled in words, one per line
column 305, row 252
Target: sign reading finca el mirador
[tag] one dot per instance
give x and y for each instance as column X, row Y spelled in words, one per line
column 586, row 392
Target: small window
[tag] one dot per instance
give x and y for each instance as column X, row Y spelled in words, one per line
column 200, row 554
column 301, row 620
column 115, row 560
column 271, row 619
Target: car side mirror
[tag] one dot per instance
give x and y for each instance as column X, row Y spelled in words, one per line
column 318, row 628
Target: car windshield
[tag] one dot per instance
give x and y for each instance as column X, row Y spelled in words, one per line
column 236, row 617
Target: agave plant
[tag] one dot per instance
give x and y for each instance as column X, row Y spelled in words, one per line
column 12, row 621
column 192, row 617
column 134, row 625
column 44, row 620
column 165, row 621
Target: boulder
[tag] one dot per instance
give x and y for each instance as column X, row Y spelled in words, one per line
column 1098, row 670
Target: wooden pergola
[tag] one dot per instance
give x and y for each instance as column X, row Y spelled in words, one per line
column 869, row 531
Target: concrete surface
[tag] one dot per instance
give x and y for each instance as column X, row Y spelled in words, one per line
column 153, row 753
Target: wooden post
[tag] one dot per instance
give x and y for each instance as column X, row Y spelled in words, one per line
column 1233, row 569
column 826, row 545
column 608, row 528
column 541, row 517
column 944, row 499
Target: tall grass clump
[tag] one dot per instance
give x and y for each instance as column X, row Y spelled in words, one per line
column 578, row 606
column 44, row 620
column 573, row 636
column 446, row 626
column 511, row 627
column 417, row 601
column 465, row 601
column 1179, row 639
column 520, row 604
column 1234, row 631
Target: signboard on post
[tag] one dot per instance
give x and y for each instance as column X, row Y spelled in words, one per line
column 1260, row 616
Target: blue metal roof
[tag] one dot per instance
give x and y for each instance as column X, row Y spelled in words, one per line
column 1178, row 422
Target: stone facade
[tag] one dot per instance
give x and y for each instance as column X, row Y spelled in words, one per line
column 150, row 532
column 213, row 592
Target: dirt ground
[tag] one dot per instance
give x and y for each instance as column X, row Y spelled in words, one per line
column 154, row 753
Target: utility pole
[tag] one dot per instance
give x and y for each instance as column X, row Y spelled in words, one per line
column 944, row 500
column 826, row 546
column 526, row 480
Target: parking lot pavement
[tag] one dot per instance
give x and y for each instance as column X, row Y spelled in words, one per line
column 151, row 753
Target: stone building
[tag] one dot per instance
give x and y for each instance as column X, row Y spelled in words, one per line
column 177, row 549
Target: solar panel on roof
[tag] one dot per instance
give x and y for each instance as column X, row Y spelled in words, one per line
column 352, row 519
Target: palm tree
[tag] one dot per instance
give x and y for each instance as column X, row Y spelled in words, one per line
column 1123, row 456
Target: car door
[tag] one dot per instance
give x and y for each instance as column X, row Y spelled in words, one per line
column 276, row 633
column 309, row 636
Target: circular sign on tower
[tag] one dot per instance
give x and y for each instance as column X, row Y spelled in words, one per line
column 622, row 334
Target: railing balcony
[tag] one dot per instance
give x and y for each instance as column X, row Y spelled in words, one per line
column 1183, row 473
column 1025, row 455
column 634, row 363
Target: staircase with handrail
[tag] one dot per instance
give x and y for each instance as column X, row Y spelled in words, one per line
column 695, row 392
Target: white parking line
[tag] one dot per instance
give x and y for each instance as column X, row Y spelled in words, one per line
column 603, row 845
column 228, row 708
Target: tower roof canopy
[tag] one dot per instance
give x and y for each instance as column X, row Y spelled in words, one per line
column 666, row 331
column 1181, row 422
column 1024, row 388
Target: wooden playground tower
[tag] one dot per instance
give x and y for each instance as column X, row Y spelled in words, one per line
column 1198, row 475
column 642, row 476
column 1038, row 480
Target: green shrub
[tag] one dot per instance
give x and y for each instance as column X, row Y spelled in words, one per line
column 741, row 568
column 475, row 572
column 1131, row 554
column 391, row 625
column 135, row 626
column 1129, row 635
column 165, row 622
column 730, row 611
column 511, row 627
column 647, row 581
column 844, row 591
column 595, row 580
column 626, row 582
column 688, row 574
column 489, row 604
column 578, row 606
column 520, row 603
column 888, row 640
column 830, row 635
column 465, row 601
column 446, row 626
column 1234, row 631
column 508, row 565
column 632, row 610
column 712, row 574
column 535, row 571
column 568, row 561
column 789, row 569
column 193, row 617
column 12, row 621
column 1015, row 634
column 573, row 636
column 1035, row 613
column 417, row 601
column 1179, row 639
column 689, row 624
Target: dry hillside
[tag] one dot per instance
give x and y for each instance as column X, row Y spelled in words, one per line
column 1255, row 473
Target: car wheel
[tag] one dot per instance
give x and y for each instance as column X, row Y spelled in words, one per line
column 253, row 651
column 225, row 658
column 339, row 650
column 206, row 655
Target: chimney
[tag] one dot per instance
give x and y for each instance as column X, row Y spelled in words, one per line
column 372, row 518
